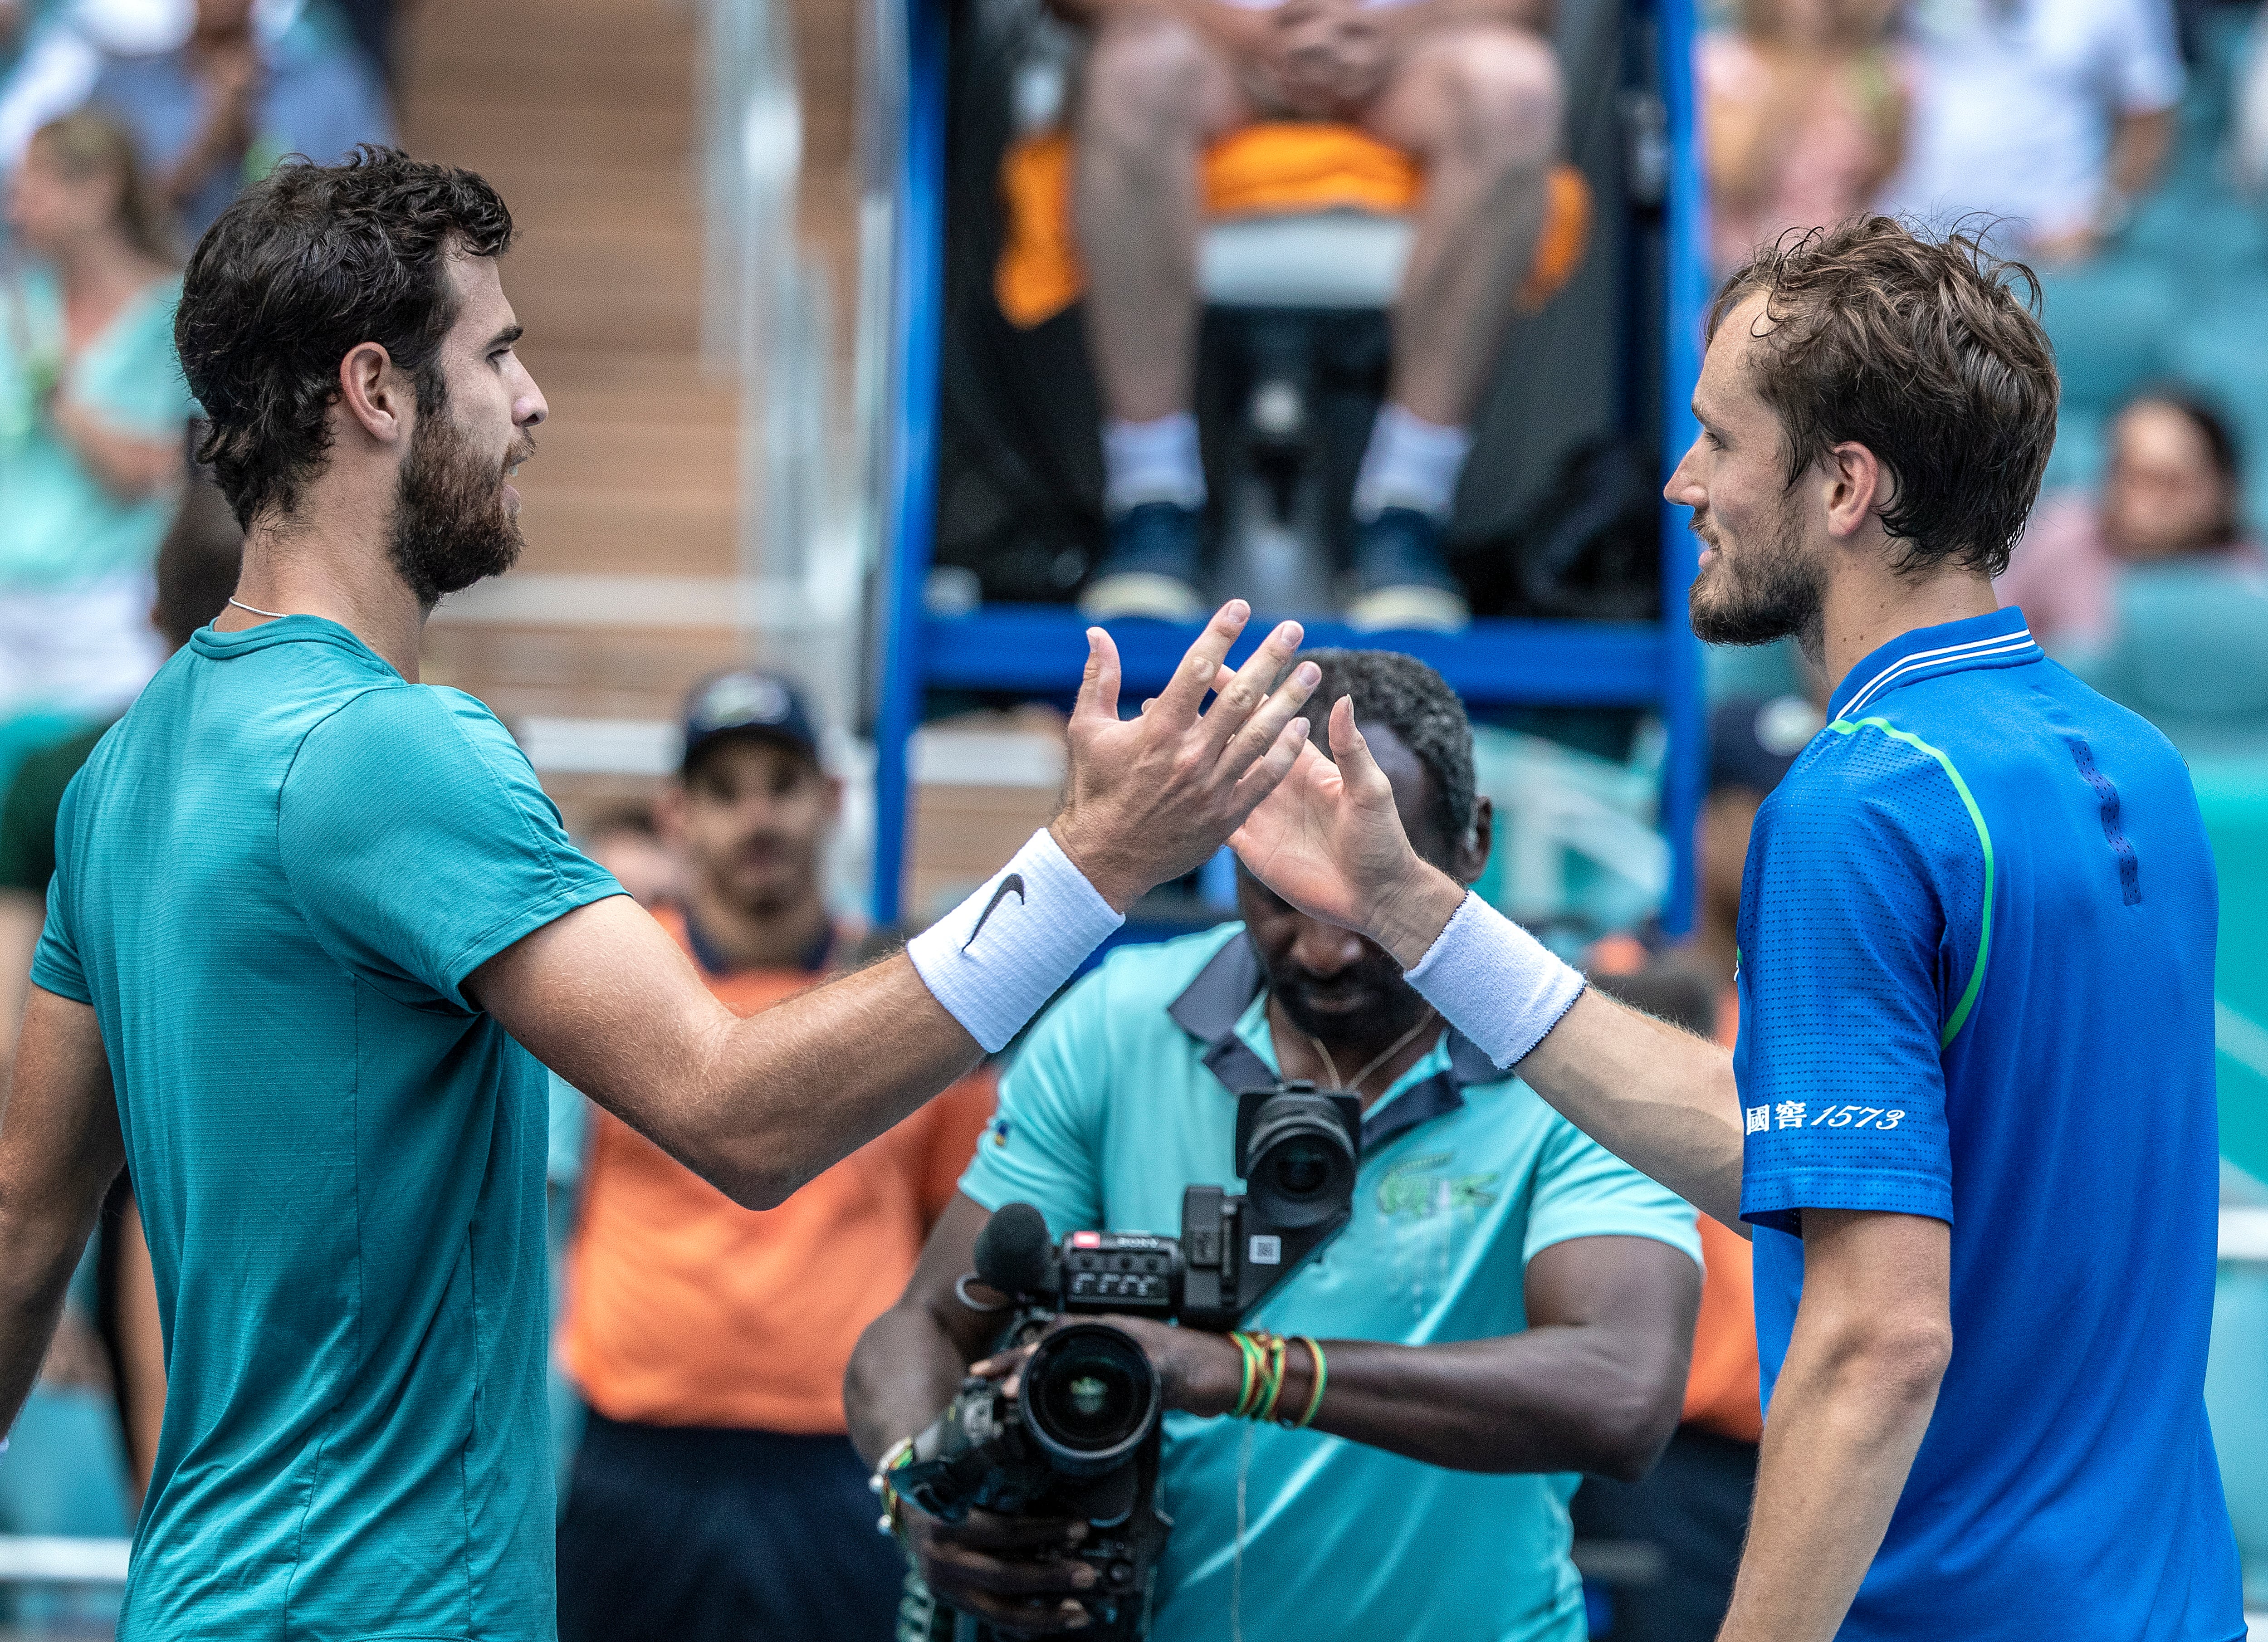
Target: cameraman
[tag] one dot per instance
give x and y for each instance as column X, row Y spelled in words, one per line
column 1509, row 1306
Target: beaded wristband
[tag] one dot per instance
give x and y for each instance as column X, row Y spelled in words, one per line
column 1322, row 1377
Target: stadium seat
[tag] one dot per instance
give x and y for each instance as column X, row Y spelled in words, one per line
column 2108, row 320
column 2076, row 462
column 2223, row 350
column 2190, row 653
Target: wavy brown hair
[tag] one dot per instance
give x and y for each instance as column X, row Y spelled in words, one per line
column 1926, row 351
column 309, row 262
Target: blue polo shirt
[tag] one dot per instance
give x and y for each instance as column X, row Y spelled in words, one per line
column 1113, row 1107
column 1976, row 948
column 272, row 880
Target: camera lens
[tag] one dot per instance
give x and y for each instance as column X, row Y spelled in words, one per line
column 1300, row 1164
column 1089, row 1397
column 1301, row 1167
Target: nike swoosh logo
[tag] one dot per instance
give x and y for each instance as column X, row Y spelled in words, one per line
column 1015, row 881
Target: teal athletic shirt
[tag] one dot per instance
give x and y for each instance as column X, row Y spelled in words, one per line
column 273, row 877
column 1112, row 1107
column 1977, row 950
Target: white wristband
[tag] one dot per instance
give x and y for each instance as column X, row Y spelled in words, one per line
column 999, row 956
column 1494, row 981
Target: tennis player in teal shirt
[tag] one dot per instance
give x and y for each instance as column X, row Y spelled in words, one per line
column 313, row 924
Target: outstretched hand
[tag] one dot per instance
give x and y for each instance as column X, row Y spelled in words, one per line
column 1149, row 798
column 1329, row 841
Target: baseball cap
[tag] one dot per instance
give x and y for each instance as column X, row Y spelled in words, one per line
column 746, row 701
column 1753, row 741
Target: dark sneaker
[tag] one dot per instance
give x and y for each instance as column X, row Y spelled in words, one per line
column 1152, row 567
column 1403, row 576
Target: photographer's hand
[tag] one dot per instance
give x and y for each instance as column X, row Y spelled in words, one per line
column 1199, row 1370
column 1008, row 1570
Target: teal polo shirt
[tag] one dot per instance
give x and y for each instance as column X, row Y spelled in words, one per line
column 1114, row 1106
column 273, row 877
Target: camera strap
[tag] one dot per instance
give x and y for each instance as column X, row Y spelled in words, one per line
column 1210, row 1006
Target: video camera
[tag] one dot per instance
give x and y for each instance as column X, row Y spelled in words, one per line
column 1081, row 1439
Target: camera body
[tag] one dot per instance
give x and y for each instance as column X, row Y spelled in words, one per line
column 1081, row 1436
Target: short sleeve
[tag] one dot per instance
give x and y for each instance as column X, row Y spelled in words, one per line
column 132, row 380
column 1044, row 1146
column 55, row 965
column 1582, row 1190
column 1865, row 919
column 419, row 845
column 2146, row 61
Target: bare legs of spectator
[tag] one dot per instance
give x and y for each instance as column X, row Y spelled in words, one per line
column 1155, row 95
column 1479, row 107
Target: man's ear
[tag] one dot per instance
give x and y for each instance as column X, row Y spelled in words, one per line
column 1857, row 485
column 1473, row 853
column 377, row 397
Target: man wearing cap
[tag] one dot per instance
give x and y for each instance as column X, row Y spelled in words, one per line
column 716, row 1495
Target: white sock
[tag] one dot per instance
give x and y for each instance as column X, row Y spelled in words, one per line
column 1152, row 462
column 1411, row 462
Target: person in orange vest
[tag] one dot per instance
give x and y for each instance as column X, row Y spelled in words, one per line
column 715, row 1495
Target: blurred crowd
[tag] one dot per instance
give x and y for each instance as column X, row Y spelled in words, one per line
column 2118, row 146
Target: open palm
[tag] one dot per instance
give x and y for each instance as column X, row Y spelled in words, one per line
column 1329, row 839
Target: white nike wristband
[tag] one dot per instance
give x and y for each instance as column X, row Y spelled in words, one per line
column 999, row 956
column 1494, row 981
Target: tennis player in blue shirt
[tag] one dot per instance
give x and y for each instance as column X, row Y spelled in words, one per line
column 1971, row 1115
column 313, row 923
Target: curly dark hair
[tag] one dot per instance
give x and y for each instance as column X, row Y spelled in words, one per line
column 1416, row 704
column 1922, row 350
column 306, row 264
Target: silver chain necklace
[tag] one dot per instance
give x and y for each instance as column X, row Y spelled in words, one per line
column 275, row 615
column 1379, row 1060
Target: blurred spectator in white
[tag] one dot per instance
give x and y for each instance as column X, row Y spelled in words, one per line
column 2170, row 492
column 93, row 422
column 2053, row 114
column 216, row 91
column 1805, row 103
column 223, row 108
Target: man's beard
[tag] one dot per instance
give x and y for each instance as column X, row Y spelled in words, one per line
column 1361, row 1033
column 1767, row 591
column 451, row 528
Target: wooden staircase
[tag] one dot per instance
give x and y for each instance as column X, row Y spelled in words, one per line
column 584, row 114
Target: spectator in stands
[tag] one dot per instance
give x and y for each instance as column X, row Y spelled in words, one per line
column 221, row 109
column 1693, row 1507
column 627, row 841
column 2055, row 116
column 1472, row 91
column 122, row 1349
column 1804, row 108
column 715, row 1497
column 2170, row 492
column 93, row 422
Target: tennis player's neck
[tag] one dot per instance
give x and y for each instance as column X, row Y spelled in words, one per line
column 1866, row 608
column 307, row 568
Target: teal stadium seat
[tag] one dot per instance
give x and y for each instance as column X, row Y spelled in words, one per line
column 2108, row 320
column 2223, row 351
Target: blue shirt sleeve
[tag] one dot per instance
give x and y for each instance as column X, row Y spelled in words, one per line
column 1864, row 920
column 419, row 844
column 1045, row 1144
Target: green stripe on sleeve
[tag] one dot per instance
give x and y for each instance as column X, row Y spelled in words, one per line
column 1960, row 1018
